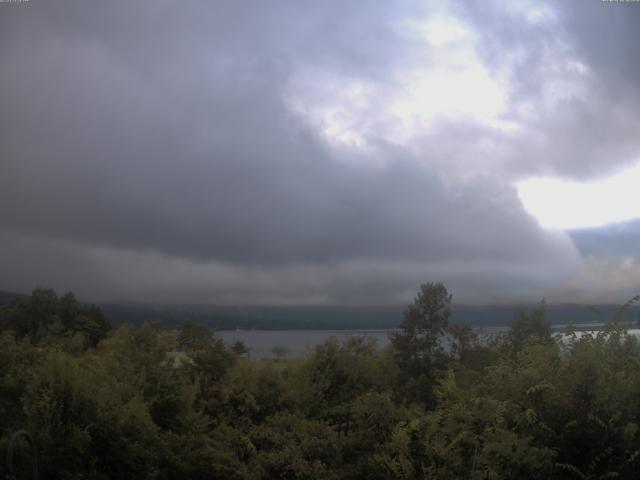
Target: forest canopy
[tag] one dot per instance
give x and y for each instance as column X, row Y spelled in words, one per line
column 440, row 401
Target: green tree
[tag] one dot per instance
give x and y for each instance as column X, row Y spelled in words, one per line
column 254, row 391
column 463, row 341
column 32, row 317
column 529, row 327
column 44, row 315
column 87, row 424
column 292, row 447
column 279, row 352
column 93, row 324
column 194, row 336
column 239, row 348
column 417, row 341
column 69, row 310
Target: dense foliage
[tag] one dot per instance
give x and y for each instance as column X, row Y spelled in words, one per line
column 439, row 402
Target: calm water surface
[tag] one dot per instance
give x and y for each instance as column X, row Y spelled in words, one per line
column 298, row 342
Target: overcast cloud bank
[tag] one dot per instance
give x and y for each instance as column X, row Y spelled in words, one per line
column 254, row 152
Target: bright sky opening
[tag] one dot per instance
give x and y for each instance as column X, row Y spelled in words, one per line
column 565, row 205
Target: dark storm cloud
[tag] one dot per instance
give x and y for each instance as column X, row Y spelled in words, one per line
column 155, row 142
column 106, row 274
column 164, row 128
column 112, row 143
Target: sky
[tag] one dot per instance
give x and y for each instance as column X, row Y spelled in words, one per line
column 287, row 152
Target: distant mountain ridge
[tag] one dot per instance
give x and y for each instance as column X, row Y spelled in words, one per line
column 7, row 297
column 336, row 317
column 346, row 317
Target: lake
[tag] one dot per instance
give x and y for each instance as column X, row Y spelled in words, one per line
column 298, row 342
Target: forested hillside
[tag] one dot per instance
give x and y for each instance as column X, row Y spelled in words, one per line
column 146, row 403
column 341, row 317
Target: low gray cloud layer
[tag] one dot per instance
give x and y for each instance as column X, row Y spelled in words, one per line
column 254, row 152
